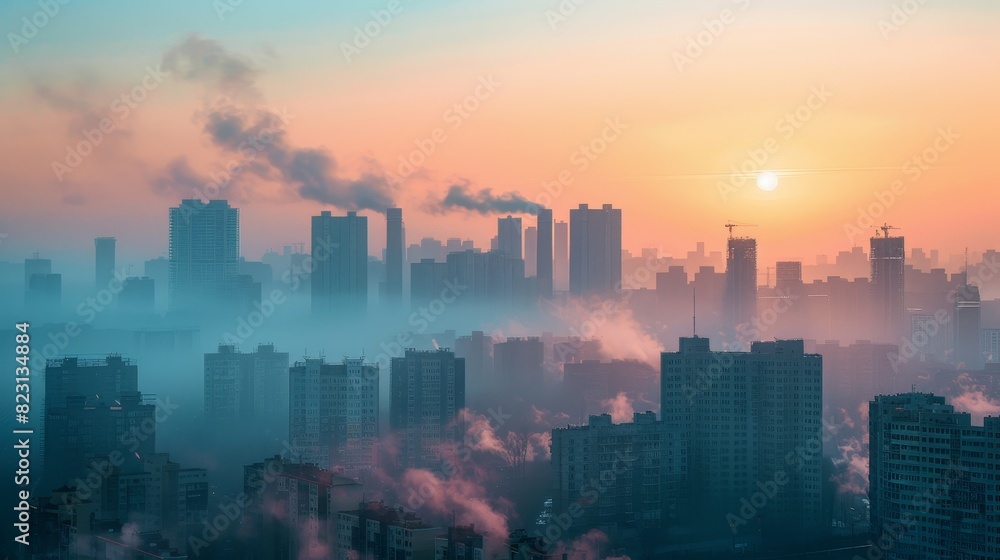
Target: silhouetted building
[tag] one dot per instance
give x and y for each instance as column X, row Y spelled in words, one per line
column 509, row 237
column 293, row 509
column 138, row 296
column 888, row 261
column 967, row 326
column 591, row 382
column 44, row 293
column 741, row 414
column 932, row 483
column 334, row 413
column 35, row 266
column 530, row 251
column 104, row 261
column 740, row 304
column 614, row 477
column 247, row 386
column 543, row 253
column 394, row 243
column 204, row 252
column 519, row 363
column 159, row 270
column 788, row 275
column 595, row 250
column 427, row 282
column 477, row 351
column 426, row 393
column 491, row 277
column 340, row 264
column 560, row 251
column 378, row 532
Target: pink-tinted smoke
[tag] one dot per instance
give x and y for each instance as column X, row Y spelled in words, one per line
column 974, row 400
column 620, row 407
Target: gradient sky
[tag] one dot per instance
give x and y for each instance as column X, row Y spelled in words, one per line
column 893, row 90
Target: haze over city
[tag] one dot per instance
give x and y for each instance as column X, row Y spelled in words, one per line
column 564, row 280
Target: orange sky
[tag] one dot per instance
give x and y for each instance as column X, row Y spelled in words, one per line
column 557, row 89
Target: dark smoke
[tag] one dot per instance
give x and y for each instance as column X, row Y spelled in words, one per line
column 257, row 137
column 460, row 197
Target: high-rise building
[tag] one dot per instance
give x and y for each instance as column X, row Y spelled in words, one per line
column 138, row 296
column 519, row 363
column 477, row 351
column 509, row 236
column 427, row 281
column 33, row 266
column 967, row 326
column 426, row 393
column 644, row 459
column 932, row 480
column 740, row 305
column 788, row 275
column 340, row 264
column 375, row 531
column 394, row 243
column 560, row 251
column 543, row 254
column 530, row 251
column 204, row 252
column 247, row 386
column 293, row 509
column 888, row 263
column 104, row 261
column 334, row 414
column 588, row 383
column 595, row 250
column 461, row 542
column 742, row 414
column 44, row 293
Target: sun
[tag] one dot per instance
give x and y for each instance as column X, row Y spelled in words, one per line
column 767, row 181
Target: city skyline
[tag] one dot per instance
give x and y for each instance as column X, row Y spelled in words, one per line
column 668, row 154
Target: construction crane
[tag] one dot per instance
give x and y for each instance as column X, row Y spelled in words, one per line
column 732, row 224
column 885, row 229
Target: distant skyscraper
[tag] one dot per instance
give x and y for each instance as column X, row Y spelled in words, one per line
column 247, row 386
column 560, row 273
column 204, row 252
column 340, row 260
column 427, row 281
column 35, row 266
column 932, row 485
column 530, row 251
column 394, row 243
column 334, row 414
column 741, row 414
column 888, row 262
column 543, row 254
column 138, row 296
column 740, row 304
column 104, row 261
column 44, row 293
column 509, row 236
column 519, row 363
column 426, row 393
column 595, row 250
column 788, row 275
column 967, row 327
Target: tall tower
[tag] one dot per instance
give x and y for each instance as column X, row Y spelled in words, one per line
column 560, row 241
column 888, row 261
column 509, row 236
column 104, row 261
column 339, row 281
column 543, row 254
column 204, row 251
column 740, row 303
column 531, row 251
column 595, row 250
column 968, row 327
column 394, row 244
